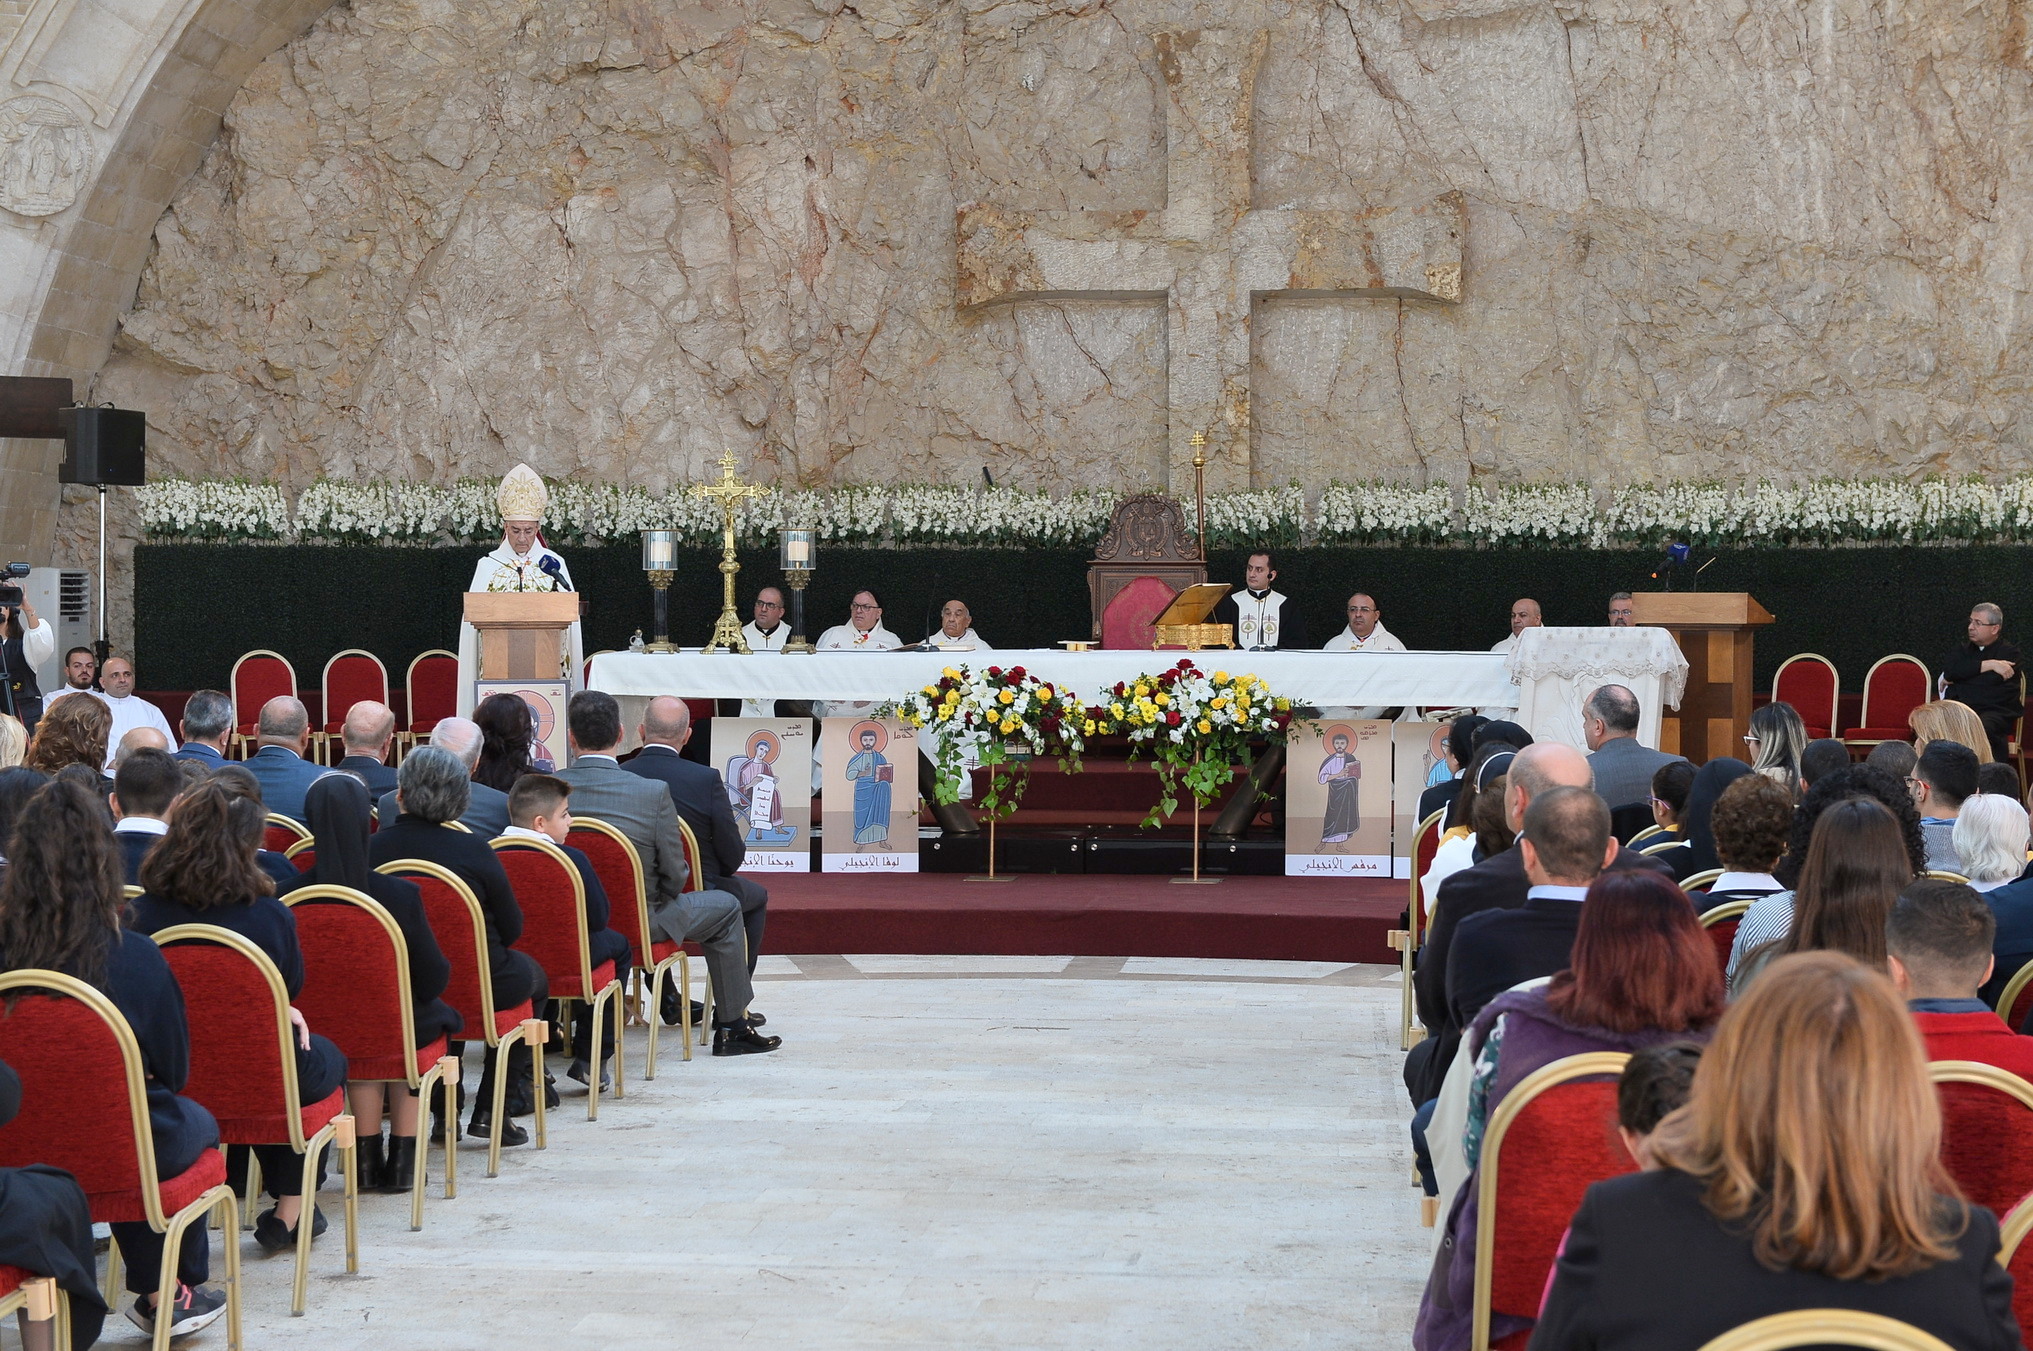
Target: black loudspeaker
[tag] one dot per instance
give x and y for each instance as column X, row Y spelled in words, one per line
column 103, row 446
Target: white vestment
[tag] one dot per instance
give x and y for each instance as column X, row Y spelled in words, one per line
column 1502, row 710
column 505, row 570
column 966, row 642
column 128, row 714
column 1256, row 618
column 847, row 638
column 1380, row 639
column 759, row 642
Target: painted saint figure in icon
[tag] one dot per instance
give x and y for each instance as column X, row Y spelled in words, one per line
column 755, row 794
column 871, row 773
column 1342, row 773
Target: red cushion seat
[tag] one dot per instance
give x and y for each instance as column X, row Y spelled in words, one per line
column 177, row 1192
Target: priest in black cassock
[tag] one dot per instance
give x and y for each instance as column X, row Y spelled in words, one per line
column 1264, row 620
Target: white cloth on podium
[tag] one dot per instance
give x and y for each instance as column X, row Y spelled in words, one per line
column 506, row 570
column 1556, row 668
column 760, row 642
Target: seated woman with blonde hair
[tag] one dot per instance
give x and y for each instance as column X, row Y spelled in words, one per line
column 1804, row 1173
column 1948, row 720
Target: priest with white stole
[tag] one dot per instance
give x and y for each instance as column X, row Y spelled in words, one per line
column 1365, row 633
column 1264, row 620
column 767, row 632
column 956, row 630
column 522, row 563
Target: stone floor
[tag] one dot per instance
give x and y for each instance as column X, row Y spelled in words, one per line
column 949, row 1152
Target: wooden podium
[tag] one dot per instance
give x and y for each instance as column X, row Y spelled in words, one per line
column 1714, row 630
column 521, row 632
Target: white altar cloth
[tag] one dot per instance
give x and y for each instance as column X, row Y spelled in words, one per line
column 1556, row 668
column 1323, row 679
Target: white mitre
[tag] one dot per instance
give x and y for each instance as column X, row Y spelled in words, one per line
column 523, row 496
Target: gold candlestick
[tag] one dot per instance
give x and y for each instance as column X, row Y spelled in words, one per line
column 730, row 490
column 1200, row 487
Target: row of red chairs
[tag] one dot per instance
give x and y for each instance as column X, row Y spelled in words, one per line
column 84, row 1104
column 430, row 689
column 1562, row 1121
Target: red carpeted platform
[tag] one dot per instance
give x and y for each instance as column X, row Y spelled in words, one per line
column 1279, row 918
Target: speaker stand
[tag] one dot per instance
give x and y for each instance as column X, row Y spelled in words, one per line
column 105, row 643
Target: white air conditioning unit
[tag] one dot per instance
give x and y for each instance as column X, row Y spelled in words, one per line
column 62, row 597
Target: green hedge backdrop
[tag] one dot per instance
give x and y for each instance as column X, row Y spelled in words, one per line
column 199, row 606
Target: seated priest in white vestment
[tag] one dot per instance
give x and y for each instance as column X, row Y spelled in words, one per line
column 1365, row 633
column 1264, row 620
column 956, row 630
column 863, row 632
column 767, row 632
column 130, row 710
column 522, row 563
column 1524, row 615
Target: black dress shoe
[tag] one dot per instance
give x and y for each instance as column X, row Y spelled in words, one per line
column 583, row 1072
column 370, row 1163
column 274, row 1236
column 668, row 1007
column 756, row 1019
column 741, row 1039
column 481, row 1127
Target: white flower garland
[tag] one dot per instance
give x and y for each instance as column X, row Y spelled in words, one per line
column 1568, row 515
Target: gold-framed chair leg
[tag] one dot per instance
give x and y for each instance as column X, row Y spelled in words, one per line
column 614, row 1002
column 538, row 1033
column 593, row 1012
column 652, row 982
column 251, row 1193
column 348, row 1140
column 109, row 1291
column 453, row 1071
column 219, row 1198
column 500, row 1052
column 707, row 992
column 428, row 1080
column 314, row 1148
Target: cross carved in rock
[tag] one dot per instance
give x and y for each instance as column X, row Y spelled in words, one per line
column 1212, row 254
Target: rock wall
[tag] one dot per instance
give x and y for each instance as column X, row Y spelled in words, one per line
column 615, row 238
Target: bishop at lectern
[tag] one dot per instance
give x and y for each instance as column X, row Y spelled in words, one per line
column 522, row 563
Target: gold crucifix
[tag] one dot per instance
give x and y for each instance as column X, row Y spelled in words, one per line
column 731, row 491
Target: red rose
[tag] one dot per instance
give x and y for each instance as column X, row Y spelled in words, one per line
column 1172, row 718
column 995, row 670
column 1016, row 673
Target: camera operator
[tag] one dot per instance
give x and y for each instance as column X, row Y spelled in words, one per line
column 28, row 642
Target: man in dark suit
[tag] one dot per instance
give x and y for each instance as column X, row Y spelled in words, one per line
column 147, row 783
column 284, row 734
column 1497, row 883
column 642, row 810
column 486, row 813
column 700, row 795
column 1564, row 845
column 1984, row 673
column 365, row 736
column 538, row 810
column 207, row 722
column 1622, row 765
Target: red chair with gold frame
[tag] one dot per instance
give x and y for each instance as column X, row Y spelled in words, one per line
column 430, row 692
column 1721, row 923
column 304, row 854
column 356, row 991
column 1809, row 682
column 84, row 1108
column 38, row 1299
column 1425, row 844
column 2015, row 1001
column 247, row 1081
column 1559, row 1126
column 350, row 676
column 257, row 677
column 1893, row 688
column 281, row 833
column 1986, row 1132
column 619, row 869
column 553, row 900
column 461, row 930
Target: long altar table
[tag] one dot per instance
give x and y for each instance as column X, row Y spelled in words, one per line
column 1323, row 679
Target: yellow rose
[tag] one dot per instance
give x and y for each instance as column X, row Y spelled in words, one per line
column 932, row 690
column 1204, row 726
column 1005, row 698
column 1090, row 727
column 950, row 673
column 1009, row 725
column 1163, row 699
column 1221, row 677
column 952, row 698
column 1284, row 705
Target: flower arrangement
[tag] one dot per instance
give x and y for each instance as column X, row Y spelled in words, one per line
column 1193, row 728
column 1000, row 719
column 1560, row 515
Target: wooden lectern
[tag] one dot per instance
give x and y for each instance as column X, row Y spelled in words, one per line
column 1714, row 630
column 521, row 632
